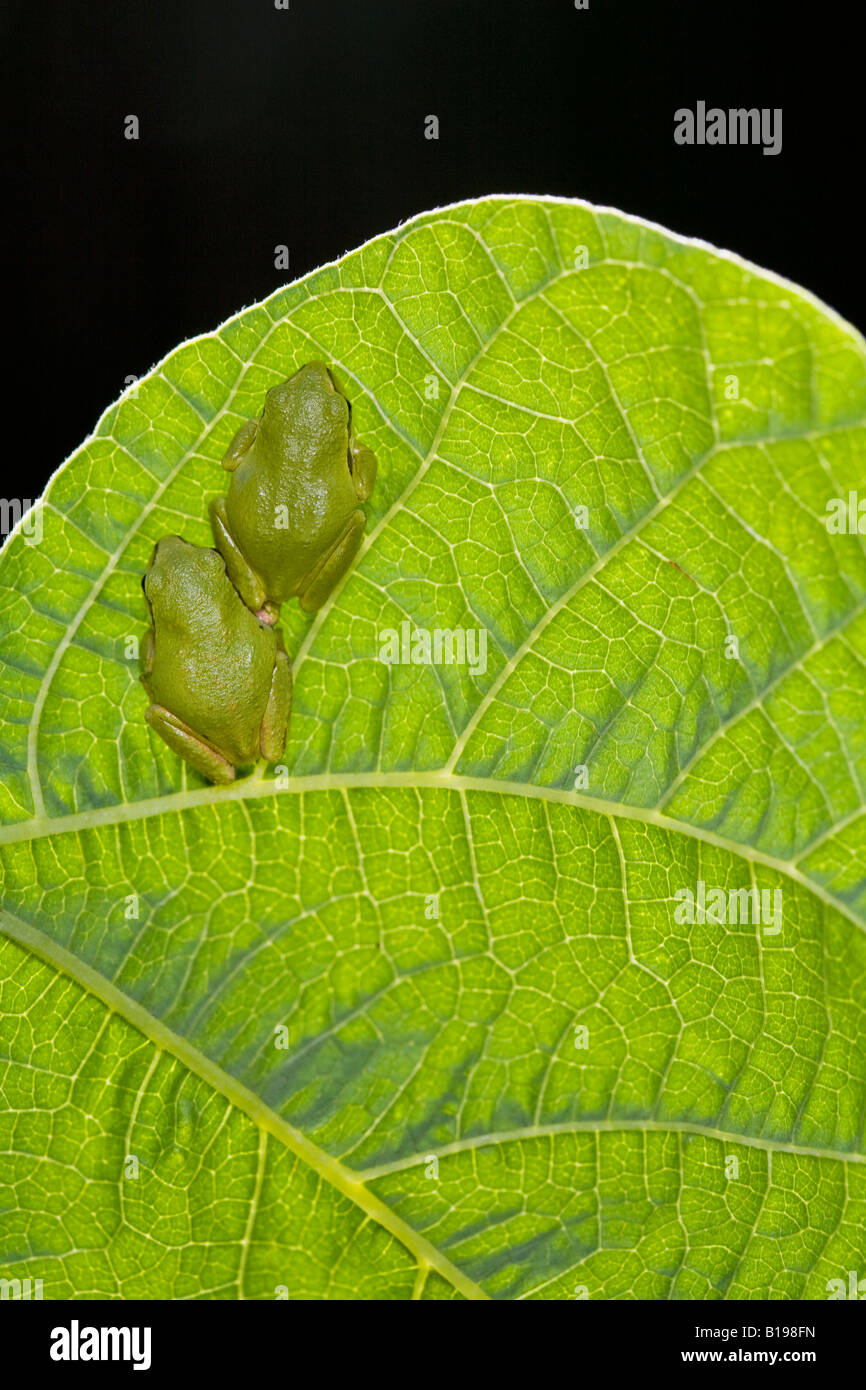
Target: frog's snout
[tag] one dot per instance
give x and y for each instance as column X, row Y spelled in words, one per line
column 311, row 375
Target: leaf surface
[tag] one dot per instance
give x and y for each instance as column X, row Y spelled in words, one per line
column 610, row 451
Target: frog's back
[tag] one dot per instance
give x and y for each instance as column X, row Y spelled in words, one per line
column 292, row 493
column 213, row 659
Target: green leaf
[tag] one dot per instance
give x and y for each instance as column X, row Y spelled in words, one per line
column 434, row 1127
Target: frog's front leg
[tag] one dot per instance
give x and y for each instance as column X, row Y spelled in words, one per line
column 331, row 569
column 275, row 722
column 184, row 741
column 240, row 445
column 240, row 572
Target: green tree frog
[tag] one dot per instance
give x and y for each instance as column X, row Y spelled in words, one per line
column 218, row 677
column 291, row 524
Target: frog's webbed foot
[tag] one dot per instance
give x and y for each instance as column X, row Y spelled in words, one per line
column 185, row 742
column 240, row 572
column 334, row 565
column 275, row 724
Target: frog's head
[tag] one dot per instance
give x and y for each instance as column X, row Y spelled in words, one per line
column 308, row 417
column 178, row 574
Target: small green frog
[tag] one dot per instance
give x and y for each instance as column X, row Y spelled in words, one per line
column 218, row 677
column 291, row 523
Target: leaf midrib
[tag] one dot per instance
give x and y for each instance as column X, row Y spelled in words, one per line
column 256, row 787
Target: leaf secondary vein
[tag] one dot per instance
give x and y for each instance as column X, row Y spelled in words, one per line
column 550, row 1131
column 329, row 1169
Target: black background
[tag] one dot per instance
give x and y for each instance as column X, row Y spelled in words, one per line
column 306, row 127
column 211, row 1342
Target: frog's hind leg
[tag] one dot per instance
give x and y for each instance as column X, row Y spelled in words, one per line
column 148, row 651
column 335, row 564
column 240, row 572
column 275, row 723
column 181, row 739
column 363, row 471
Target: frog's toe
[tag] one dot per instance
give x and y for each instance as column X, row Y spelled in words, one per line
column 268, row 613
